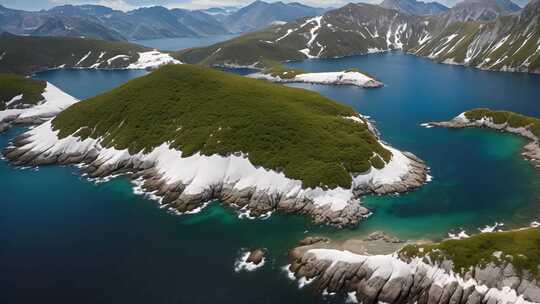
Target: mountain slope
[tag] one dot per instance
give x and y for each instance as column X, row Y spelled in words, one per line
column 45, row 23
column 415, row 7
column 199, row 134
column 17, row 91
column 260, row 14
column 507, row 43
column 101, row 22
column 26, row 55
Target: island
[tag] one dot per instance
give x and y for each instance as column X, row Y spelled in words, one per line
column 29, row 101
column 495, row 267
column 348, row 77
column 504, row 121
column 190, row 135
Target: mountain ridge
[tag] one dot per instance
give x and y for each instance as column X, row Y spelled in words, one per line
column 101, row 22
column 509, row 42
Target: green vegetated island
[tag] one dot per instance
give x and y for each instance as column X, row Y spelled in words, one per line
column 525, row 126
column 202, row 110
column 260, row 145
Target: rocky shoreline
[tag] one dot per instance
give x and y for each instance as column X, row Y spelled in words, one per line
column 396, row 278
column 99, row 162
column 531, row 151
column 329, row 78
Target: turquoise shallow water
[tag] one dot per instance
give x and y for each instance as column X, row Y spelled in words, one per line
column 64, row 239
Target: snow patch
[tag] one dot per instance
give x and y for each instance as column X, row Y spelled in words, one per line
column 153, row 59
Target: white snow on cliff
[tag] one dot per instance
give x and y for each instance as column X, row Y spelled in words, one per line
column 337, row 78
column 390, row 267
column 55, row 100
column 397, row 167
column 153, row 59
column 198, row 172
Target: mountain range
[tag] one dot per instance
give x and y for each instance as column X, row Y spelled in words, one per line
column 155, row 22
column 505, row 40
column 415, row 7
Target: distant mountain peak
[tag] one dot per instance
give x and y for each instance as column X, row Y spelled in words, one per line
column 415, row 7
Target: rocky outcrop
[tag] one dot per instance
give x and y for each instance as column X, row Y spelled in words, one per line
column 395, row 279
column 531, row 151
column 256, row 202
column 328, row 78
column 256, row 256
column 41, row 146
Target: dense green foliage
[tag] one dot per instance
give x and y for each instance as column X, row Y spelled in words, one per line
column 14, row 85
column 514, row 120
column 26, row 55
column 197, row 109
column 244, row 50
column 521, row 247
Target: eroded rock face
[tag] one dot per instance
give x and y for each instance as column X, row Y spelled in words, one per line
column 390, row 279
column 99, row 162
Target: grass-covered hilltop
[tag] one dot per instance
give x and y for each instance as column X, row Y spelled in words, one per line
column 18, row 91
column 525, row 126
column 202, row 110
column 195, row 134
column 29, row 54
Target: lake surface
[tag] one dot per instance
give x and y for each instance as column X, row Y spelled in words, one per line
column 176, row 44
column 64, row 239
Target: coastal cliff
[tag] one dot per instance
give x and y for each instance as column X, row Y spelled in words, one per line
column 227, row 148
column 428, row 273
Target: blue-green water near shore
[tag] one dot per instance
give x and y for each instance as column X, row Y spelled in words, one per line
column 64, row 239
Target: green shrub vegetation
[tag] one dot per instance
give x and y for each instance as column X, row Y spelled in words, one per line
column 30, row 54
column 197, row 109
column 12, row 85
column 513, row 119
column 521, row 247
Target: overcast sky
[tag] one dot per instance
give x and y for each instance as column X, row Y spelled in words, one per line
column 189, row 4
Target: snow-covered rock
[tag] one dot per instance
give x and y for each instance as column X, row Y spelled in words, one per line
column 332, row 78
column 54, row 101
column 394, row 279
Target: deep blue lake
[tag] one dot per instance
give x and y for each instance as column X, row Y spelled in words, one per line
column 64, row 239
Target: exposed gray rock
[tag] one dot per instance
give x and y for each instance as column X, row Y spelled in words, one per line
column 256, row 256
column 416, row 286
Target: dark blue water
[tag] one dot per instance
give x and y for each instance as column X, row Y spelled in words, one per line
column 83, row 83
column 66, row 240
column 176, row 44
column 479, row 175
